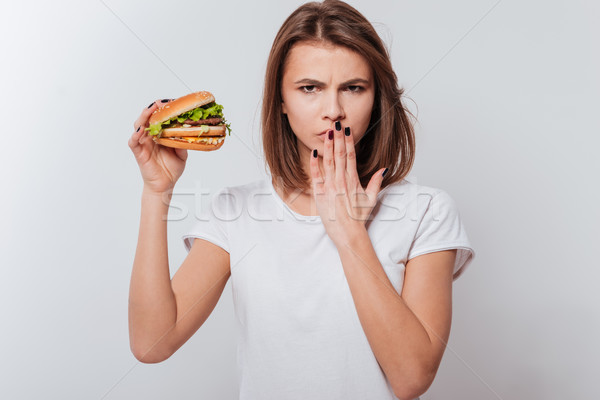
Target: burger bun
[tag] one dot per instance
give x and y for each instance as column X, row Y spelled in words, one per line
column 183, row 144
column 181, row 105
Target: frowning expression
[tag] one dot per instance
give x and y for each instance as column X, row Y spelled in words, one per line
column 322, row 84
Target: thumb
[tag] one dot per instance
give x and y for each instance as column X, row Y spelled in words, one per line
column 375, row 183
column 182, row 153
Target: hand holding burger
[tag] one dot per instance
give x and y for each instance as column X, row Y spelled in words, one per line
column 193, row 122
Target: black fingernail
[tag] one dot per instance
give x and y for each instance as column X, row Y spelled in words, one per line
column 330, row 134
column 151, row 104
column 164, row 100
column 338, row 126
column 384, row 172
column 315, row 153
column 347, row 131
column 138, row 129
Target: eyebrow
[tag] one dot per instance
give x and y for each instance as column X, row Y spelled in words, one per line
column 319, row 83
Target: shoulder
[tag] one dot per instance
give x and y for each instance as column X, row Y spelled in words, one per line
column 233, row 199
column 242, row 192
column 411, row 189
column 408, row 194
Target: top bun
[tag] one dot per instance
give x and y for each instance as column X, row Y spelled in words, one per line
column 181, row 105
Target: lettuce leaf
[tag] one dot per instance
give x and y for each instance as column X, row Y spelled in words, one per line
column 154, row 129
column 204, row 112
column 210, row 110
column 228, row 126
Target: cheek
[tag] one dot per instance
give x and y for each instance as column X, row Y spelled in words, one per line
column 362, row 111
column 296, row 114
column 301, row 109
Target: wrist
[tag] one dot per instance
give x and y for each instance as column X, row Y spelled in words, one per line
column 152, row 194
column 353, row 235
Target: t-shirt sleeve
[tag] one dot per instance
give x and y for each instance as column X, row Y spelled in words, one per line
column 211, row 222
column 441, row 228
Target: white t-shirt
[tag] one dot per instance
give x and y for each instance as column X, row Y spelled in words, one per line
column 300, row 336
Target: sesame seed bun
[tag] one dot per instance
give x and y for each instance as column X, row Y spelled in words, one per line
column 181, row 105
column 184, row 144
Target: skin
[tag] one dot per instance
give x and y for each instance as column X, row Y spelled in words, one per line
column 407, row 333
column 322, row 84
column 160, row 166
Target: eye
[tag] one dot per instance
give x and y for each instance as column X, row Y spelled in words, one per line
column 355, row 89
column 309, row 89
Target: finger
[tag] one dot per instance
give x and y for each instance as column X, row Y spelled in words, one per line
column 134, row 139
column 375, row 183
column 182, row 153
column 142, row 120
column 148, row 111
column 315, row 174
column 339, row 151
column 147, row 143
column 135, row 136
column 351, row 169
column 146, row 139
column 140, row 136
column 141, row 148
column 328, row 161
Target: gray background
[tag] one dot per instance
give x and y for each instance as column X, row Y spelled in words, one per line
column 506, row 94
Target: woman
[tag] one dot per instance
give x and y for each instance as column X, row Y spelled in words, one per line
column 341, row 276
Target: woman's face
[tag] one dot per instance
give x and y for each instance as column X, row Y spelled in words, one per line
column 322, row 84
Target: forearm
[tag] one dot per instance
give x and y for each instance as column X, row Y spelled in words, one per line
column 152, row 305
column 398, row 340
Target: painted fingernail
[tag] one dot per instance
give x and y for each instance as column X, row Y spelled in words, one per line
column 384, row 172
column 338, row 126
column 315, row 153
column 138, row 129
column 347, row 131
column 164, row 100
column 151, row 104
column 330, row 134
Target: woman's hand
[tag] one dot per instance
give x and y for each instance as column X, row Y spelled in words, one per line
column 160, row 166
column 342, row 203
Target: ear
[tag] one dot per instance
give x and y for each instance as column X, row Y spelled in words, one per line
column 283, row 108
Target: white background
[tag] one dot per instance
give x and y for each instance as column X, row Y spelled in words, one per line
column 506, row 94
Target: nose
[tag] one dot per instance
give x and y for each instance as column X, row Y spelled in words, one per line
column 332, row 107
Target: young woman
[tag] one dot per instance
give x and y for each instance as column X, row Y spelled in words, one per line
column 341, row 268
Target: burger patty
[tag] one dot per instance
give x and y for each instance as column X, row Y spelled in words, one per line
column 208, row 121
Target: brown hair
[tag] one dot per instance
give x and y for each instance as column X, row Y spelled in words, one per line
column 389, row 140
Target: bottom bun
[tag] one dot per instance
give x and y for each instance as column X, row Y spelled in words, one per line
column 181, row 144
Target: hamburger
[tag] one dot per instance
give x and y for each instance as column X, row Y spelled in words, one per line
column 193, row 122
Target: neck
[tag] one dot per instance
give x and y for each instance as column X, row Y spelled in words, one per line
column 305, row 157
